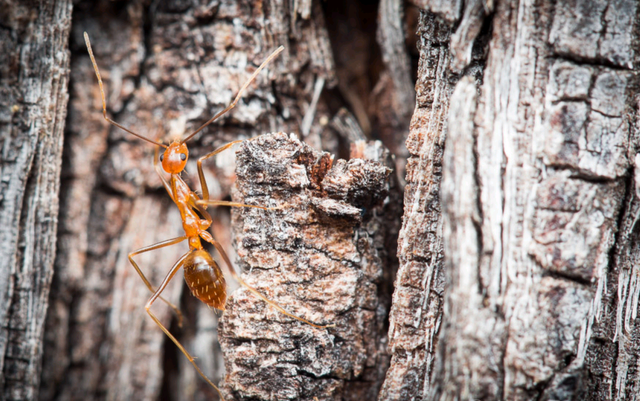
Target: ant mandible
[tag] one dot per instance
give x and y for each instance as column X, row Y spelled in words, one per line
column 201, row 272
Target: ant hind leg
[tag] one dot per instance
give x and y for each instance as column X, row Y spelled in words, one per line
column 144, row 278
column 153, row 298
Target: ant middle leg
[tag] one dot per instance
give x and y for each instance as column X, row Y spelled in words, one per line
column 153, row 247
column 207, row 237
column 153, row 298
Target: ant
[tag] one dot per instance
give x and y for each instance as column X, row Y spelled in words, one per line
column 201, row 272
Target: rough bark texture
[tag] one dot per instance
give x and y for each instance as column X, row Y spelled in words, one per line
column 34, row 68
column 417, row 300
column 168, row 66
column 536, row 236
column 534, row 179
column 321, row 256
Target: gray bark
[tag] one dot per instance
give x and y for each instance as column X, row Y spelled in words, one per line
column 539, row 208
column 34, row 62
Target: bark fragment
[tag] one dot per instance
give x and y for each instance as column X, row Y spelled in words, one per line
column 317, row 260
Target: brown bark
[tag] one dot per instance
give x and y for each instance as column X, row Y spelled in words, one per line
column 416, row 312
column 34, row 62
column 168, row 66
column 321, row 256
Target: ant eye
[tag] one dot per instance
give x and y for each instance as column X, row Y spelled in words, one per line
column 183, row 156
column 161, row 156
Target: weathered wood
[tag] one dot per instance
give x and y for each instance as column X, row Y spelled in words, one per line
column 539, row 185
column 391, row 36
column 321, row 256
column 34, row 68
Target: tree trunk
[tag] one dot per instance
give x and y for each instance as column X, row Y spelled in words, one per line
column 518, row 274
column 539, row 207
column 34, row 64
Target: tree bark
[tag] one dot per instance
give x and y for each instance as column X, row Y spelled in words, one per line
column 321, row 256
column 539, row 209
column 168, row 66
column 518, row 274
column 34, row 64
column 416, row 312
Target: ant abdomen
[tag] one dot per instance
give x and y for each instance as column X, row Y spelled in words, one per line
column 205, row 279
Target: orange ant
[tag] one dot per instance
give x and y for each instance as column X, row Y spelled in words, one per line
column 201, row 272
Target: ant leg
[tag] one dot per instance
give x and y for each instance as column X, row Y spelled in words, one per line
column 203, row 181
column 155, row 296
column 144, row 278
column 233, row 204
column 205, row 201
column 104, row 102
column 207, row 237
column 166, row 184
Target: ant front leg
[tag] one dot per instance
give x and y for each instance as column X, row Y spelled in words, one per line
column 203, row 181
column 144, row 278
column 165, row 183
column 205, row 201
column 153, row 298
column 207, row 237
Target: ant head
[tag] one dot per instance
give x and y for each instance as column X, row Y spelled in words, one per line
column 174, row 157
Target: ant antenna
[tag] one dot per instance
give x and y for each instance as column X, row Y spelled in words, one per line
column 233, row 104
column 104, row 102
